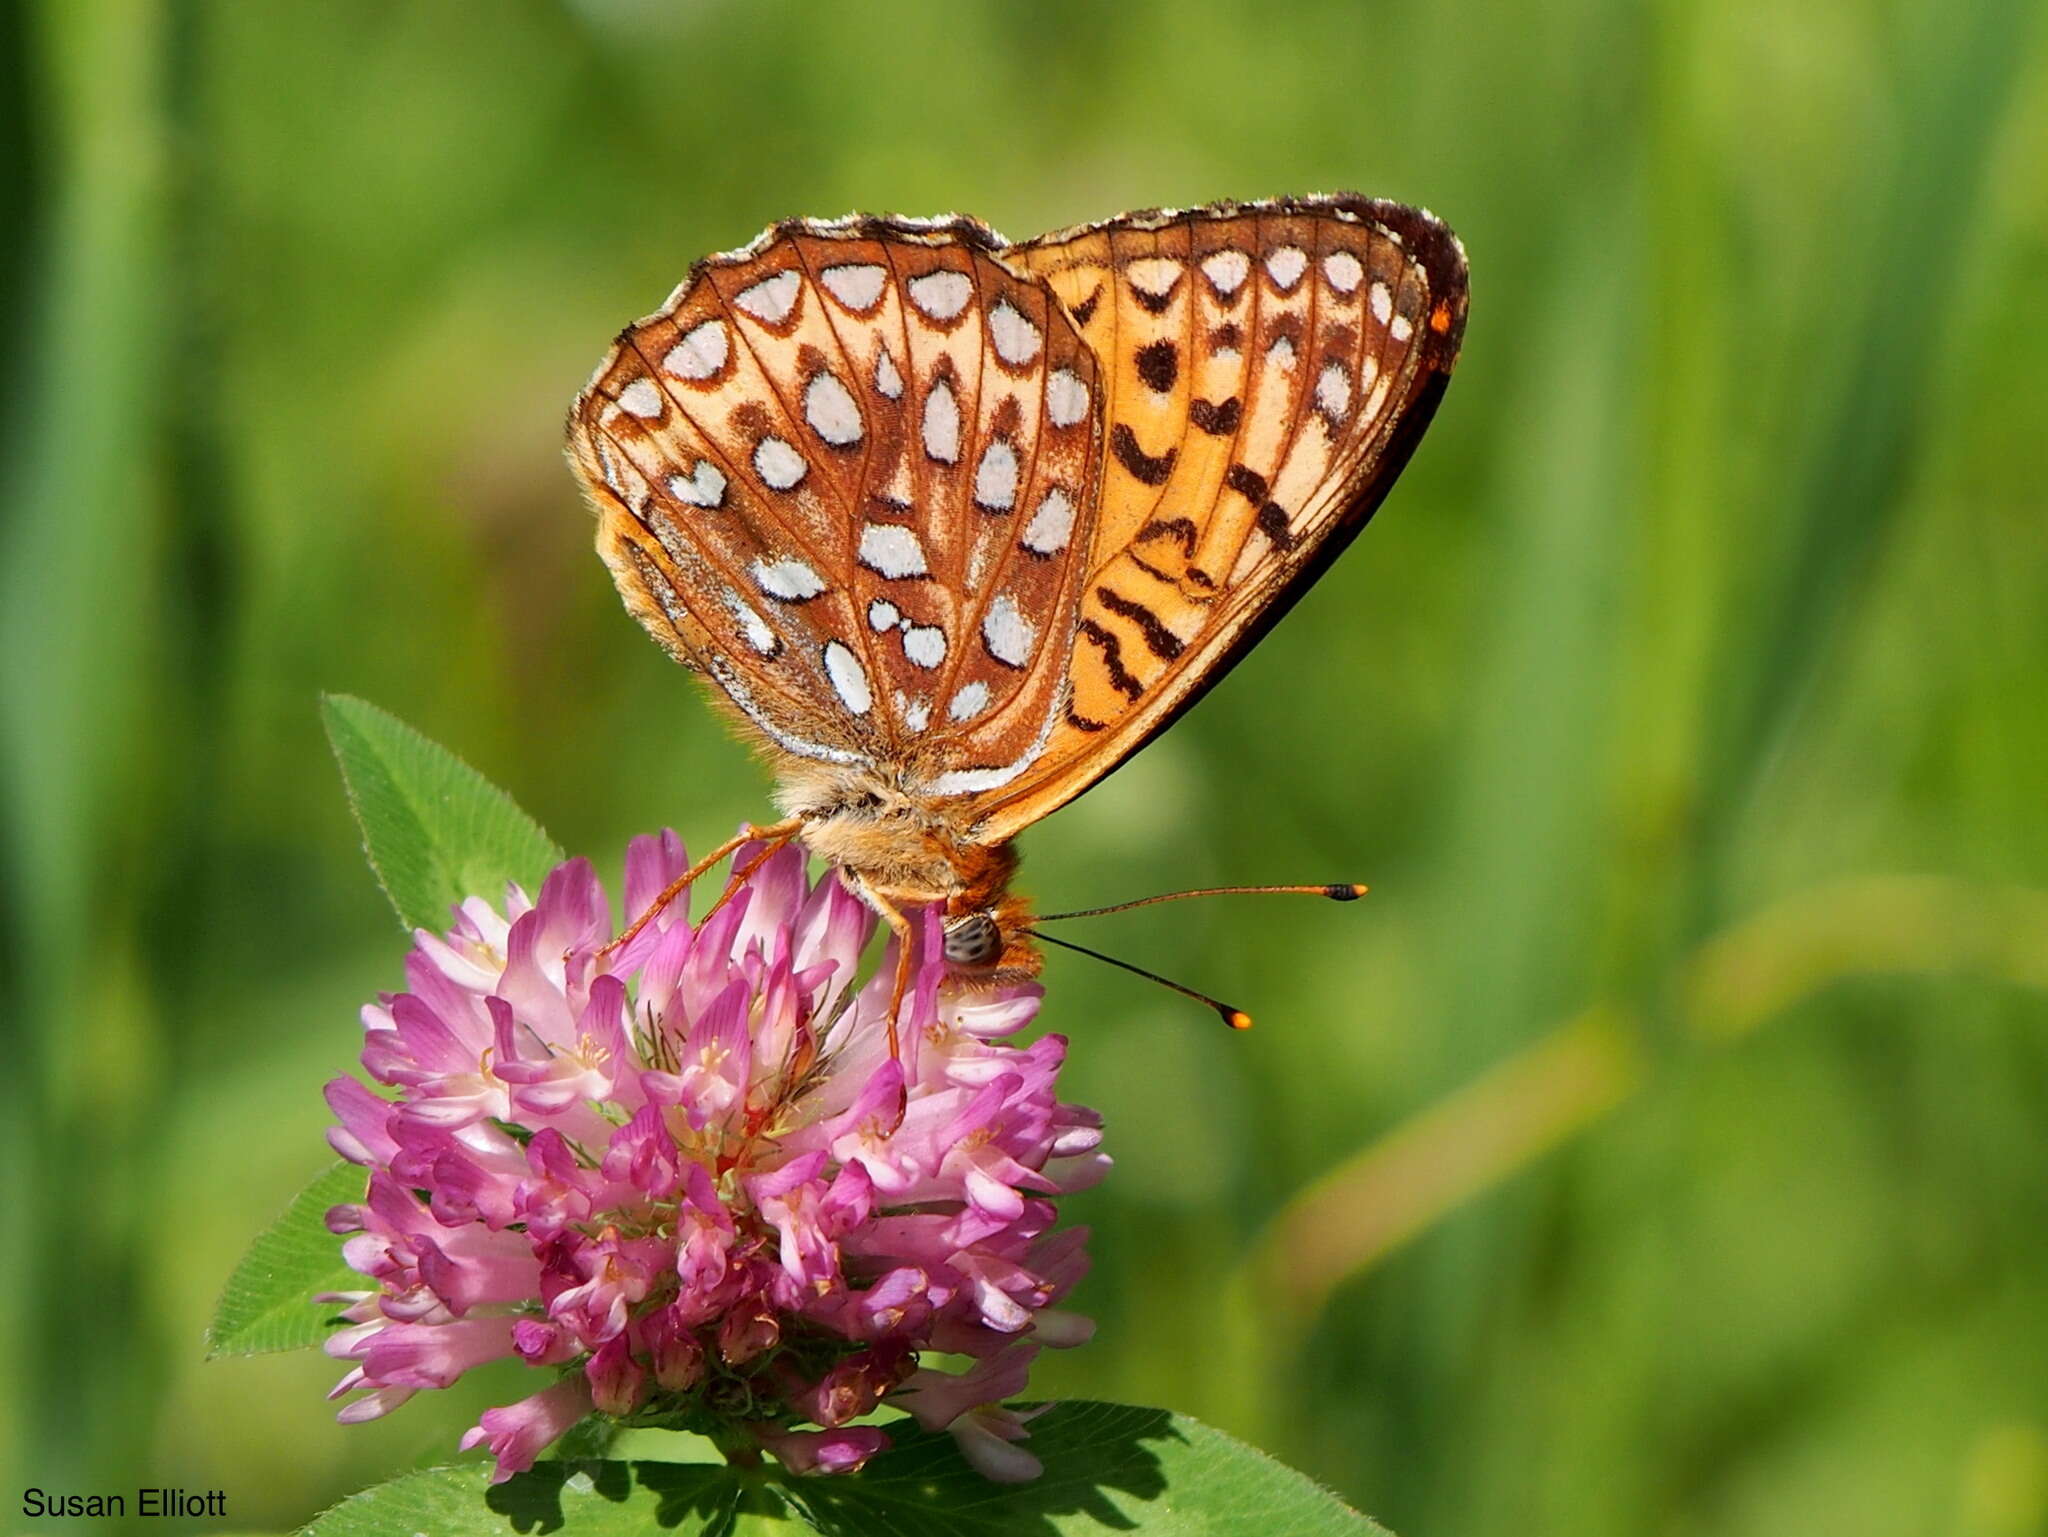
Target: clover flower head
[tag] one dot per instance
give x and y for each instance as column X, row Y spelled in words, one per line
column 673, row 1175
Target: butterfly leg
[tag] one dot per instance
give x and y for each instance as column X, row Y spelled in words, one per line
column 900, row 926
column 776, row 835
column 777, row 839
column 906, row 936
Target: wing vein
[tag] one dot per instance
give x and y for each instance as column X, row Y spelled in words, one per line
column 849, row 567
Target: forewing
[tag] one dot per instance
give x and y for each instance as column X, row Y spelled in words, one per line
column 1267, row 368
column 848, row 472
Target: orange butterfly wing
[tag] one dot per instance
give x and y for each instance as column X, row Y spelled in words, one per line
column 982, row 520
column 1268, row 369
column 849, row 472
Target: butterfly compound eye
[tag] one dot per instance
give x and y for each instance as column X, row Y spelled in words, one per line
column 973, row 941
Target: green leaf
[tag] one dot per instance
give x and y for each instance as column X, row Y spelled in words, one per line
column 1109, row 1468
column 435, row 829
column 267, row 1304
column 592, row 1499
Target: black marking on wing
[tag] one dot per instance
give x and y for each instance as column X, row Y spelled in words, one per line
column 1161, row 641
column 1159, row 365
column 1181, row 531
column 1148, row 568
column 1274, row 524
column 1121, row 678
column 1153, row 472
column 1218, row 421
column 1246, row 482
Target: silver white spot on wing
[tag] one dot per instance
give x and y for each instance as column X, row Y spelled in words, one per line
column 1281, row 354
column 943, row 294
column 1285, row 266
column 760, row 635
column 969, row 702
column 1226, row 271
column 1400, row 328
column 882, row 615
column 1052, row 525
column 1066, row 397
column 1382, row 303
column 642, row 399
column 925, row 645
column 995, row 479
column 701, row 353
column 887, row 380
column 892, row 550
column 857, row 285
column 849, row 678
column 1344, row 271
column 771, row 299
column 1016, row 338
column 916, row 713
column 608, row 469
column 942, row 423
column 1008, row 635
column 779, row 465
column 1333, row 391
column 702, row 487
column 1153, row 276
column 788, row 579
column 830, row 410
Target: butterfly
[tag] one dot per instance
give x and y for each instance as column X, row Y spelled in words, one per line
column 957, row 525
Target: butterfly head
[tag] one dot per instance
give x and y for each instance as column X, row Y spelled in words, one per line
column 990, row 940
column 973, row 942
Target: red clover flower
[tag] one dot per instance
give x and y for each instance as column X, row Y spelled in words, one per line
column 667, row 1175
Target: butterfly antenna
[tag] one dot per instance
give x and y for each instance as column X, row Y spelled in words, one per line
column 1237, row 1019
column 1342, row 891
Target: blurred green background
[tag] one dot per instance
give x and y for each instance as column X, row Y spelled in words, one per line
column 1663, row 1146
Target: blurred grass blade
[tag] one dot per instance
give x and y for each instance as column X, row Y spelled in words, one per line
column 80, row 558
column 1881, row 925
column 266, row 1304
column 1854, row 474
column 1470, row 1141
column 1520, row 886
column 435, row 829
column 1358, row 1212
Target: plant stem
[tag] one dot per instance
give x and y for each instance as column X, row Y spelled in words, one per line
column 739, row 1450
